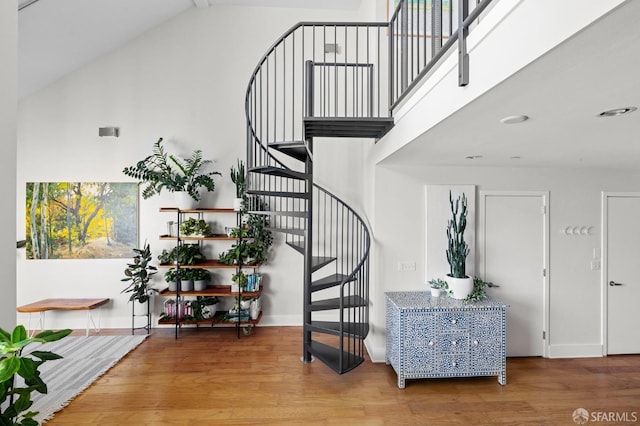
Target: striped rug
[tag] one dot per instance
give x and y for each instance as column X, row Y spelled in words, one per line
column 84, row 360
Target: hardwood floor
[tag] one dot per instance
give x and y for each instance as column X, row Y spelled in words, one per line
column 209, row 377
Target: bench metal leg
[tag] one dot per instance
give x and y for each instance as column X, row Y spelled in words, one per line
column 32, row 331
column 91, row 322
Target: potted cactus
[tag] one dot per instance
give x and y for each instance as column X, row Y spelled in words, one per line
column 460, row 285
column 238, row 178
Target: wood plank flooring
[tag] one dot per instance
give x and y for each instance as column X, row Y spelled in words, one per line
column 210, row 377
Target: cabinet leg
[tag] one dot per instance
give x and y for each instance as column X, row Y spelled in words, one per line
column 502, row 378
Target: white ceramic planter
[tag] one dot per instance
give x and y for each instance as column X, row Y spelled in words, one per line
column 199, row 285
column 435, row 292
column 184, row 201
column 460, row 287
column 186, row 285
column 237, row 204
column 173, row 285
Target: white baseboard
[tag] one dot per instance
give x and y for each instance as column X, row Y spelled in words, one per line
column 575, row 351
column 376, row 353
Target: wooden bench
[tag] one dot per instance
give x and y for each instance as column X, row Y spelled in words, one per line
column 64, row 305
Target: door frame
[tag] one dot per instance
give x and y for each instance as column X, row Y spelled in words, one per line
column 480, row 249
column 604, row 271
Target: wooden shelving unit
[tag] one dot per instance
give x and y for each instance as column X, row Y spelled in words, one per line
column 220, row 318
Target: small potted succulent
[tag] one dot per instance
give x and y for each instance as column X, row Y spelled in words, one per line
column 437, row 287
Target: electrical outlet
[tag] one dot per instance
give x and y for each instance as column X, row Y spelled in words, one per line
column 406, row 266
column 595, row 265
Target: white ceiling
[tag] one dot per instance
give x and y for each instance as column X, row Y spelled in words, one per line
column 56, row 37
column 562, row 92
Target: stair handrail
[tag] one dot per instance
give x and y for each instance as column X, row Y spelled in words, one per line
column 400, row 88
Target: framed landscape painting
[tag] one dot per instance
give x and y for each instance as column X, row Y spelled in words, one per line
column 81, row 220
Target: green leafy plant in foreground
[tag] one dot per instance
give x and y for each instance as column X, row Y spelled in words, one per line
column 16, row 400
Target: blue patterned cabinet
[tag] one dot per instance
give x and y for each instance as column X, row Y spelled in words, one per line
column 444, row 337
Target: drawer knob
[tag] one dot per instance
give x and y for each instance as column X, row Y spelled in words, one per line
column 453, row 342
column 475, row 342
column 431, row 343
column 454, row 321
column 453, row 364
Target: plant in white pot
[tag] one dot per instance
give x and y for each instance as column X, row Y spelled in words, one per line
column 238, row 178
column 184, row 177
column 460, row 285
column 437, row 287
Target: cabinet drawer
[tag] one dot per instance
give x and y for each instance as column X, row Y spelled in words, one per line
column 453, row 342
column 454, row 364
column 448, row 322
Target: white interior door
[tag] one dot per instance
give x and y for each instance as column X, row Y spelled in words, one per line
column 621, row 279
column 512, row 253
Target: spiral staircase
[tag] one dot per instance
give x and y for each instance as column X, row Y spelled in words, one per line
column 300, row 92
column 336, row 80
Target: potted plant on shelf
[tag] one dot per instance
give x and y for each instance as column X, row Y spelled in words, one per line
column 185, row 254
column 238, row 178
column 240, row 281
column 172, row 276
column 204, row 307
column 184, row 177
column 195, row 227
column 138, row 274
column 437, row 287
column 201, row 278
column 460, row 285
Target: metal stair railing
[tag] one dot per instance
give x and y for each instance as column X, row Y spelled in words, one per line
column 421, row 32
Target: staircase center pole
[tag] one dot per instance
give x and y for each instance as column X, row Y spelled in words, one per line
column 308, row 234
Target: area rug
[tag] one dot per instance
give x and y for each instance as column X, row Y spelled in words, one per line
column 84, row 360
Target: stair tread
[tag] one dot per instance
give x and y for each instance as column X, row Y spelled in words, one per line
column 328, row 281
column 295, row 231
column 279, row 194
column 347, row 127
column 294, row 149
column 332, row 356
column 279, row 171
column 350, row 301
column 317, row 262
column 278, row 213
column 360, row 330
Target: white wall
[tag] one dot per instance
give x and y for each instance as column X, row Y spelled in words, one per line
column 185, row 81
column 575, row 292
column 8, row 112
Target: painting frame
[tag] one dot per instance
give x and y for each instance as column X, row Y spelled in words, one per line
column 81, row 220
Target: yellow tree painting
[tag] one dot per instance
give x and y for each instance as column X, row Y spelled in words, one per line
column 81, row 220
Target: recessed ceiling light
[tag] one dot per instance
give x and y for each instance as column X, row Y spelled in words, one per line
column 617, row 111
column 473, row 157
column 514, row 119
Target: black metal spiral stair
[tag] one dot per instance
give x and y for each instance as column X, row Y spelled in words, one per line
column 288, row 105
column 337, row 80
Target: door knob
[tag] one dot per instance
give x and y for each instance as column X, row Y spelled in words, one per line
column 613, row 283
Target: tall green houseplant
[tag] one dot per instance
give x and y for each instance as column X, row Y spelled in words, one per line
column 458, row 249
column 138, row 274
column 460, row 285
